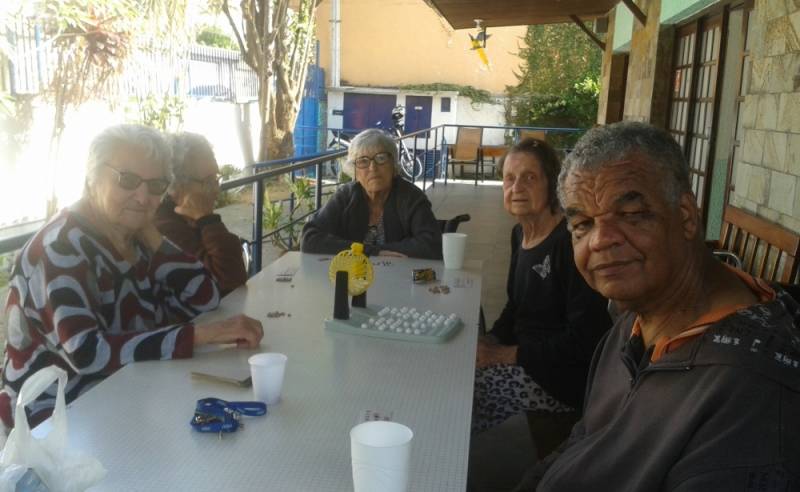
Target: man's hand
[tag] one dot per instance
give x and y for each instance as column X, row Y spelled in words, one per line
column 196, row 204
column 242, row 330
column 395, row 254
column 491, row 353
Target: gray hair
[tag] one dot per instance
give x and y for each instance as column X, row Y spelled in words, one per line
column 185, row 146
column 111, row 139
column 619, row 141
column 369, row 140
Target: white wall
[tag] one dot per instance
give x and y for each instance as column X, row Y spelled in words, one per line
column 27, row 181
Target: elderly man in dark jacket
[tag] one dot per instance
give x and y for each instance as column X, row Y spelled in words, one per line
column 391, row 216
column 697, row 385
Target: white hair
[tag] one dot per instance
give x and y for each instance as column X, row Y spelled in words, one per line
column 370, row 140
column 113, row 138
column 185, row 146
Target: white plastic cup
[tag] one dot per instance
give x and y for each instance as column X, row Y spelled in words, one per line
column 453, row 246
column 381, row 453
column 266, row 371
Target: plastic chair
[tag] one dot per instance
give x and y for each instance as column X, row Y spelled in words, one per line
column 467, row 150
column 537, row 134
column 247, row 255
column 451, row 225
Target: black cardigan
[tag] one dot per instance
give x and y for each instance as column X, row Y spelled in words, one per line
column 408, row 222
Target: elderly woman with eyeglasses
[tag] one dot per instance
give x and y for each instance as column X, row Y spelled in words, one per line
column 186, row 215
column 391, row 216
column 99, row 287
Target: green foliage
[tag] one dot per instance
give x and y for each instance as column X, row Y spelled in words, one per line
column 164, row 113
column 558, row 85
column 275, row 215
column 216, row 37
column 476, row 96
column 6, row 262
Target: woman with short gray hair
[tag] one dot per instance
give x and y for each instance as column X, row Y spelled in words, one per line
column 98, row 287
column 389, row 215
column 186, row 214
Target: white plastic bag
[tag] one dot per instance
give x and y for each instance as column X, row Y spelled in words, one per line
column 59, row 468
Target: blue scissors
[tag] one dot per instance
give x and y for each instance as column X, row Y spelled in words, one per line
column 216, row 415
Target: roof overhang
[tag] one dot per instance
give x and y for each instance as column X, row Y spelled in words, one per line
column 461, row 14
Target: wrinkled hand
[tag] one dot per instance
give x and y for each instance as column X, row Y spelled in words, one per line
column 395, row 254
column 490, row 353
column 196, row 204
column 150, row 237
column 242, row 330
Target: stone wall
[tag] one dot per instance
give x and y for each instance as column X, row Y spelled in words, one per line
column 647, row 96
column 767, row 176
column 612, row 79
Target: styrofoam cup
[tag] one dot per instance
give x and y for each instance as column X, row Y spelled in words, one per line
column 267, row 371
column 453, row 246
column 381, row 454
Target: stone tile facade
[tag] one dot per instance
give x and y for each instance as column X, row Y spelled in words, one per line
column 767, row 178
column 647, row 93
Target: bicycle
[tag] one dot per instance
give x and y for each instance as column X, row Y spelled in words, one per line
column 410, row 164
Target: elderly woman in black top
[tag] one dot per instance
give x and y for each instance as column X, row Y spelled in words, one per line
column 391, row 216
column 537, row 355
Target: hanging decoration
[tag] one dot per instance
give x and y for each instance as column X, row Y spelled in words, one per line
column 479, row 42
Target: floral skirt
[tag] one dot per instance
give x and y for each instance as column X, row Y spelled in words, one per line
column 503, row 391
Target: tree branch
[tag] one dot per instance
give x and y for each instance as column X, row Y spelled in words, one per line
column 226, row 9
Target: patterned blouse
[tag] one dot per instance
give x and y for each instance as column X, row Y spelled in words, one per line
column 76, row 303
column 375, row 235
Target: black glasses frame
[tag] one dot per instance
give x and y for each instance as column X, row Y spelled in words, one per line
column 363, row 162
column 132, row 181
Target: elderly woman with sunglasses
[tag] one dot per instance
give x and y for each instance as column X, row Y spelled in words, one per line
column 99, row 287
column 391, row 216
column 186, row 215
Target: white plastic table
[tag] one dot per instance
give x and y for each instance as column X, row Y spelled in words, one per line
column 137, row 421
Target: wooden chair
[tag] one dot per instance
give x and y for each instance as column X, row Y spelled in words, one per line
column 467, row 149
column 537, row 134
column 766, row 249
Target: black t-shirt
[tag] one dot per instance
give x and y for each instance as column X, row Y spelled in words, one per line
column 552, row 315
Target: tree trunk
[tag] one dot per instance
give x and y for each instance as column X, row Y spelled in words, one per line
column 243, row 131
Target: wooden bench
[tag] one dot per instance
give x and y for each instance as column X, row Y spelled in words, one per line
column 766, row 249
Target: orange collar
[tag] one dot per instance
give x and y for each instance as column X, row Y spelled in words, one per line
column 666, row 344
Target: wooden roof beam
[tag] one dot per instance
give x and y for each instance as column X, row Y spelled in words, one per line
column 636, row 11
column 588, row 32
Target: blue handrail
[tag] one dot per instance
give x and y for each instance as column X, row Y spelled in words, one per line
column 434, row 139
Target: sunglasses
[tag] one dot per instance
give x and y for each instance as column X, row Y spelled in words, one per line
column 379, row 159
column 130, row 181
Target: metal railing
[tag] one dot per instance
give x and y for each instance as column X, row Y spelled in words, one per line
column 419, row 143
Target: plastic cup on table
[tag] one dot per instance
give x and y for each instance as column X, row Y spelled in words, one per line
column 381, row 454
column 266, row 371
column 453, row 246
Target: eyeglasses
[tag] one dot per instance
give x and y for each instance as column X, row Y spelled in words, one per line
column 379, row 159
column 130, row 181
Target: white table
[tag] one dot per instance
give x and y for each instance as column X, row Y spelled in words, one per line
column 137, row 421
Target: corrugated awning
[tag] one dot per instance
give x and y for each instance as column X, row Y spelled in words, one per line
column 461, row 14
